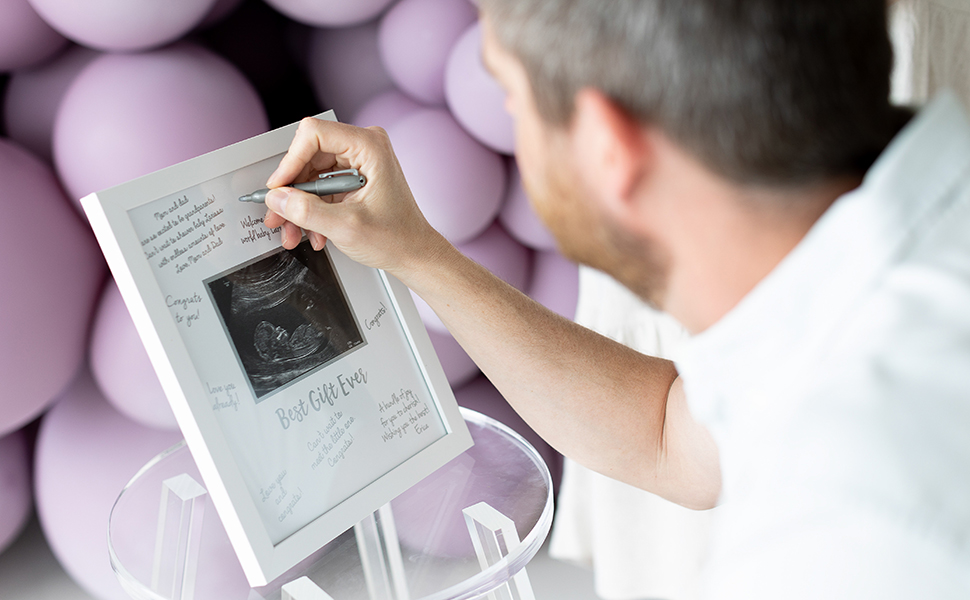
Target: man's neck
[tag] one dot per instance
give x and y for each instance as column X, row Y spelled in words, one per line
column 737, row 238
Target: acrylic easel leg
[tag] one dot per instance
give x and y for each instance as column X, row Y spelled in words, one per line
column 380, row 556
column 304, row 589
column 180, row 515
column 494, row 537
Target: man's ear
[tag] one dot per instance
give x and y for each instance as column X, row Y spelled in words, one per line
column 612, row 148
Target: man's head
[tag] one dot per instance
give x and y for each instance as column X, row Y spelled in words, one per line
column 763, row 95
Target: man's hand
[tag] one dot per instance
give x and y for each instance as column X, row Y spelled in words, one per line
column 379, row 225
column 611, row 408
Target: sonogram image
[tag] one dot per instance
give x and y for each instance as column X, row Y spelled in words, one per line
column 286, row 316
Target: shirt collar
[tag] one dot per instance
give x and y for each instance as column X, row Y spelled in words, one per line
column 791, row 313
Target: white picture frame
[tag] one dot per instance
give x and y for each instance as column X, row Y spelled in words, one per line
column 303, row 416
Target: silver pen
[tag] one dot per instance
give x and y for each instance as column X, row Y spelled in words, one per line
column 327, row 184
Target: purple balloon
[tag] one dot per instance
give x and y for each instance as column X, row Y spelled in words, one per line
column 416, row 38
column 496, row 251
column 384, row 110
column 121, row 367
column 475, row 98
column 330, row 13
column 502, row 255
column 459, row 367
column 345, row 68
column 33, row 96
column 16, row 500
column 49, row 290
column 518, row 217
column 25, row 38
column 555, row 283
column 123, row 25
column 458, row 183
column 128, row 115
column 86, row 453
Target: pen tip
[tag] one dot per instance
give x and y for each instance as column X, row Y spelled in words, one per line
column 244, row 198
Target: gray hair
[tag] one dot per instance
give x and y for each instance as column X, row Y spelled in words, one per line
column 774, row 92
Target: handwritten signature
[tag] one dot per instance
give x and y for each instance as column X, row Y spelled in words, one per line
column 376, row 321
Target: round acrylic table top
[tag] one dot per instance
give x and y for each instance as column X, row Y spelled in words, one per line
column 439, row 559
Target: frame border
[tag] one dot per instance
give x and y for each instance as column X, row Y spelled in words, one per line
column 262, row 562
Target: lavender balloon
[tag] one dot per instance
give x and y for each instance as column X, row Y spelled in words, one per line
column 15, row 497
column 384, row 110
column 86, row 453
column 345, row 68
column 518, row 217
column 128, row 115
column 33, row 96
column 121, row 366
column 123, row 25
column 330, row 13
column 25, row 38
column 49, row 288
column 458, row 366
column 496, row 251
column 475, row 98
column 555, row 283
column 458, row 183
column 416, row 38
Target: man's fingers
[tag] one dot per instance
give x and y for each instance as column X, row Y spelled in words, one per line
column 291, row 236
column 319, row 144
column 272, row 220
column 316, row 240
column 300, row 209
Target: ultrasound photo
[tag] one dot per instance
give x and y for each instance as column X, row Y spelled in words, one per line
column 286, row 316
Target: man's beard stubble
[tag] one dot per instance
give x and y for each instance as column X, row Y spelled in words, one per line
column 587, row 236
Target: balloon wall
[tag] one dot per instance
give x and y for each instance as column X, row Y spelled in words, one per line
column 96, row 92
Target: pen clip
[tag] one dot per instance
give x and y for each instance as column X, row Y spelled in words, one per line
column 353, row 172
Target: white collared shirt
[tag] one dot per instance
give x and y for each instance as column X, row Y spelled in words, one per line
column 838, row 391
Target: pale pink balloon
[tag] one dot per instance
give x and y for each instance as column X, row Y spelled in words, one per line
column 520, row 220
column 330, row 13
column 127, row 115
column 457, row 182
column 33, row 96
column 496, row 251
column 345, row 68
column 475, row 98
column 16, row 500
column 25, row 38
column 458, row 366
column 416, row 38
column 555, row 283
column 51, row 278
column 386, row 109
column 121, row 367
column 123, row 25
column 86, row 453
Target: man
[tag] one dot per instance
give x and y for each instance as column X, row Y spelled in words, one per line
column 730, row 162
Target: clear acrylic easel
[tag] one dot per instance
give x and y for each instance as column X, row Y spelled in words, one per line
column 182, row 511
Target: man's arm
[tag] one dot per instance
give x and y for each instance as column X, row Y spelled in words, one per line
column 610, row 408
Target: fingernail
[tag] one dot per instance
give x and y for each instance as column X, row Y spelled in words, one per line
column 276, row 200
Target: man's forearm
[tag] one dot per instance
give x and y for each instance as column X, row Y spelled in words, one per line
column 603, row 404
